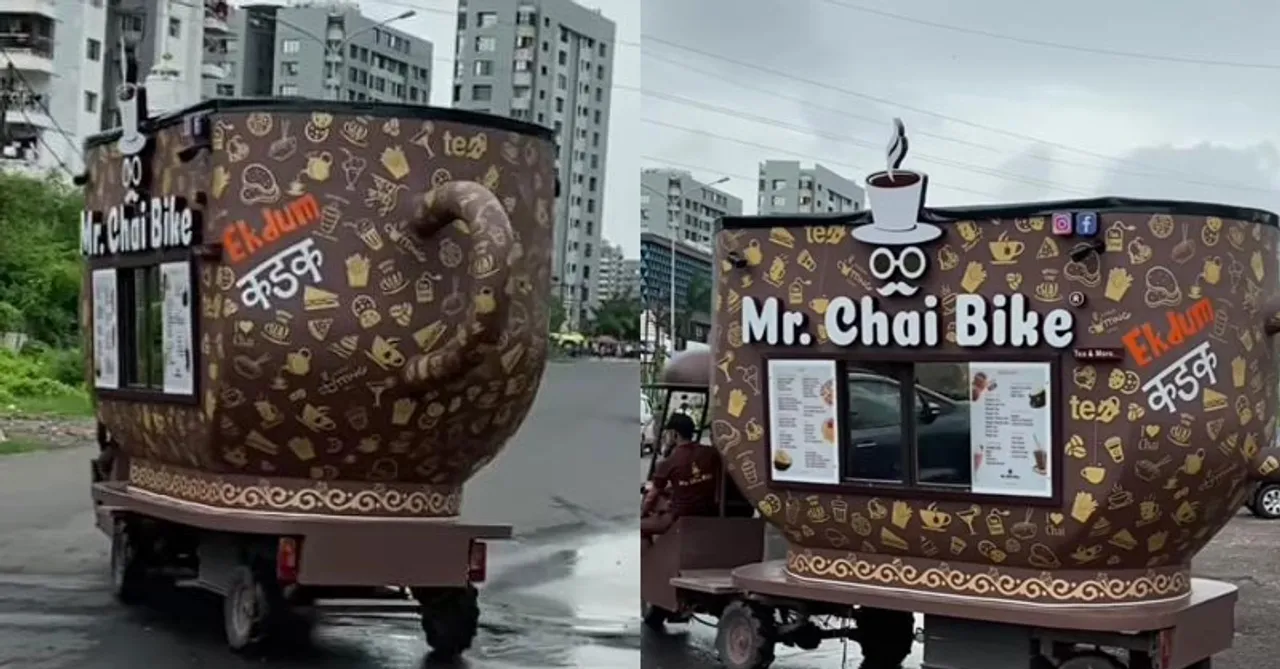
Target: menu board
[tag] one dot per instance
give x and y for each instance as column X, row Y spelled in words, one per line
column 106, row 329
column 175, row 287
column 1009, row 428
column 803, row 424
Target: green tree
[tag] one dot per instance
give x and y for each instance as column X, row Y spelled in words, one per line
column 696, row 300
column 618, row 318
column 558, row 315
column 40, row 265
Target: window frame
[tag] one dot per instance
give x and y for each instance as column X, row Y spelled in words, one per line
column 126, row 347
column 909, row 487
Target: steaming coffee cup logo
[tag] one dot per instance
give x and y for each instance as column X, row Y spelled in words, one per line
column 896, row 197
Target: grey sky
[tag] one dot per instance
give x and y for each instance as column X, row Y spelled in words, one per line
column 436, row 20
column 1115, row 125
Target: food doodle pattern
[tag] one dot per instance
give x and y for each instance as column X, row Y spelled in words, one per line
column 1156, row 450
column 374, row 331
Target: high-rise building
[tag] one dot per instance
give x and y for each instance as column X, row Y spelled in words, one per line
column 167, row 41
column 619, row 278
column 278, row 51
column 788, row 188
column 549, row 62
column 691, row 265
column 673, row 203
column 51, row 88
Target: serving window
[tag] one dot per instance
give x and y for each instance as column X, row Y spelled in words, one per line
column 956, row 428
column 143, row 330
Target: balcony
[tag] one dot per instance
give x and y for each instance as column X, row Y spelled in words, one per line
column 29, row 53
column 333, row 56
column 213, row 71
column 216, row 13
column 524, row 78
column 45, row 8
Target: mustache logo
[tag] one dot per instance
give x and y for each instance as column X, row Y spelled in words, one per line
column 897, row 288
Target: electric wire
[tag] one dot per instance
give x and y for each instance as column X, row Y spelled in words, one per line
column 44, row 107
column 1166, row 176
column 653, row 39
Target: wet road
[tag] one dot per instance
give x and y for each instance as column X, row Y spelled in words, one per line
column 563, row 595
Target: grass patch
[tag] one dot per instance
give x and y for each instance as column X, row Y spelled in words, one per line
column 65, row 406
column 16, row 446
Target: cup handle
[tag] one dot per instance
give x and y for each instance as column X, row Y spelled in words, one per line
column 479, row 210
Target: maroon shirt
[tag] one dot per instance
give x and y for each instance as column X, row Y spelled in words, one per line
column 693, row 472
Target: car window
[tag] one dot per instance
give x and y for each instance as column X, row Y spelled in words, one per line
column 873, row 404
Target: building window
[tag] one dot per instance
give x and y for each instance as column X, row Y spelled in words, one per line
column 486, row 44
column 93, row 50
column 140, row 305
column 562, row 82
column 600, row 72
column 602, row 55
column 290, row 46
column 483, row 68
column 482, row 92
column 596, row 117
column 779, row 201
column 289, row 67
column 226, row 90
column 91, row 102
column 462, row 20
column 486, row 19
column 175, row 28
column 288, row 90
column 559, row 104
column 591, row 206
column 562, row 58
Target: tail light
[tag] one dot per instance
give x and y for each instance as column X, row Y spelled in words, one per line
column 477, row 562
column 287, row 561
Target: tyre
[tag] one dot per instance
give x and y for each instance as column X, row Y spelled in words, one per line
column 1091, row 660
column 886, row 637
column 450, row 619
column 655, row 617
column 248, row 610
column 745, row 637
column 1266, row 501
column 128, row 563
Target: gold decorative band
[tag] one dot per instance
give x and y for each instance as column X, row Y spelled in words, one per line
column 314, row 497
column 992, row 583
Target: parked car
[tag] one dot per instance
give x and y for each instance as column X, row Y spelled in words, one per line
column 1265, row 501
column 874, row 424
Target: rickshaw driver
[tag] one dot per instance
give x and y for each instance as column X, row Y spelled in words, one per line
column 691, row 472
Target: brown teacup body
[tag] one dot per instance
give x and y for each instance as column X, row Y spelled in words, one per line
column 1139, row 486
column 369, row 305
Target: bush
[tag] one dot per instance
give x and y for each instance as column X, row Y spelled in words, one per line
column 35, row 376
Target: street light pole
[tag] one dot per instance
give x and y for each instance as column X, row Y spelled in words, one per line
column 331, row 92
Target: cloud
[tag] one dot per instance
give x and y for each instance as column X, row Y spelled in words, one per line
column 1241, row 175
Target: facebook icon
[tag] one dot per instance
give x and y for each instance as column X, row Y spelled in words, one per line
column 1086, row 223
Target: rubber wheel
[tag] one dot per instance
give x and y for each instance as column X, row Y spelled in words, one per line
column 450, row 619
column 128, row 566
column 655, row 617
column 1266, row 501
column 248, row 610
column 745, row 637
column 886, row 637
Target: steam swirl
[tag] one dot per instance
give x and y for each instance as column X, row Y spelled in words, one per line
column 897, row 151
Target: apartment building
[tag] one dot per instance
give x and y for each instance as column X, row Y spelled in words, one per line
column 277, row 51
column 673, row 203
column 51, row 82
column 619, row 277
column 167, row 40
column 549, row 62
column 788, row 188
